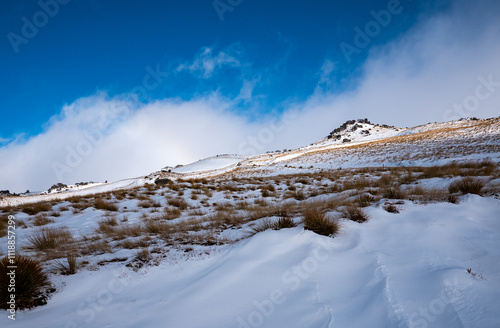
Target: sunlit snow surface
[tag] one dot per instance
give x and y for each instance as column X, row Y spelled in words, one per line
column 396, row 270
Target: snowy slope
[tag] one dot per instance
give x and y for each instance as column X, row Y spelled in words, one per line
column 429, row 144
column 397, row 270
column 80, row 191
column 209, row 164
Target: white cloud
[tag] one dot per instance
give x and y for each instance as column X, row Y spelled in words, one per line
column 207, row 62
column 432, row 73
column 97, row 138
column 412, row 80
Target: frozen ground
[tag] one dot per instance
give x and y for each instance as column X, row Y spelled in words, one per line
column 396, row 270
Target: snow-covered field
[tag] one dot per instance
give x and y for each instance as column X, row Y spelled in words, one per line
column 396, row 270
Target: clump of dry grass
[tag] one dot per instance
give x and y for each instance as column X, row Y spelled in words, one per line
column 3, row 226
column 95, row 247
column 31, row 282
column 390, row 208
column 196, row 212
column 178, row 202
column 149, row 203
column 268, row 224
column 134, row 244
column 70, row 267
column 222, row 220
column 466, row 185
column 33, row 209
column 171, row 213
column 394, row 193
column 261, row 202
column 453, row 199
column 225, row 207
column 55, row 214
column 101, row 204
column 107, row 225
column 263, row 225
column 354, row 213
column 364, row 200
column 299, row 195
column 156, row 226
column 42, row 219
column 49, row 238
column 141, row 258
column 284, row 223
column 320, row 223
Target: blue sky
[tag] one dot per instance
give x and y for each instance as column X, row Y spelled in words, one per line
column 205, row 76
column 91, row 46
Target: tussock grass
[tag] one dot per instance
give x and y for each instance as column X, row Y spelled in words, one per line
column 364, row 200
column 143, row 255
column 196, row 212
column 427, row 194
column 261, row 202
column 178, row 202
column 466, row 185
column 130, row 230
column 107, row 225
column 285, row 222
column 171, row 213
column 390, row 208
column 95, row 247
column 3, row 225
column 156, row 226
column 268, row 224
column 224, row 220
column 225, row 207
column 33, row 209
column 134, row 244
column 42, row 219
column 394, row 193
column 263, row 225
column 69, row 267
column 101, row 204
column 31, row 281
column 49, row 238
column 149, row 203
column 319, row 222
column 354, row 213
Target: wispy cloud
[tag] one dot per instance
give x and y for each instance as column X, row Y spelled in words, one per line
column 207, row 62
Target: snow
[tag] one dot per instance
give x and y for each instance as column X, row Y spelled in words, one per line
column 450, row 141
column 80, row 191
column 396, row 270
column 208, row 164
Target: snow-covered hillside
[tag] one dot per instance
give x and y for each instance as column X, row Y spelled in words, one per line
column 397, row 227
column 216, row 163
column 397, row 270
column 369, row 145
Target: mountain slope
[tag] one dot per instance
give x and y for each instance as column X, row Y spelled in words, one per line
column 369, row 145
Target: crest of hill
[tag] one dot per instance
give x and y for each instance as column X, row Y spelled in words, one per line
column 360, row 130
